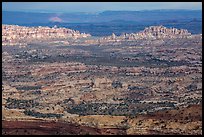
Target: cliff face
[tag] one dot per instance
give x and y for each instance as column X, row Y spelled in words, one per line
column 13, row 34
column 149, row 33
column 153, row 32
column 163, row 32
column 19, row 35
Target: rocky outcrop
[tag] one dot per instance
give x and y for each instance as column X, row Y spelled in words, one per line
column 163, row 32
column 155, row 32
column 20, row 35
column 150, row 33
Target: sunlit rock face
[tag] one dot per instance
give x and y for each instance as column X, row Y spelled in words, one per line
column 153, row 32
column 14, row 34
column 163, row 32
column 149, row 33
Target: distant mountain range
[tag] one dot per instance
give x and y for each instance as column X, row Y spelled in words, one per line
column 108, row 22
column 11, row 17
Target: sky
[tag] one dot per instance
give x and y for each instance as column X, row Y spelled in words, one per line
column 96, row 6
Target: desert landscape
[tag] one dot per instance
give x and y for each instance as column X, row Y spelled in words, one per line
column 60, row 81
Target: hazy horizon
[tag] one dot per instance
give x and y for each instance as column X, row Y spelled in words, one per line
column 96, row 7
column 105, row 11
